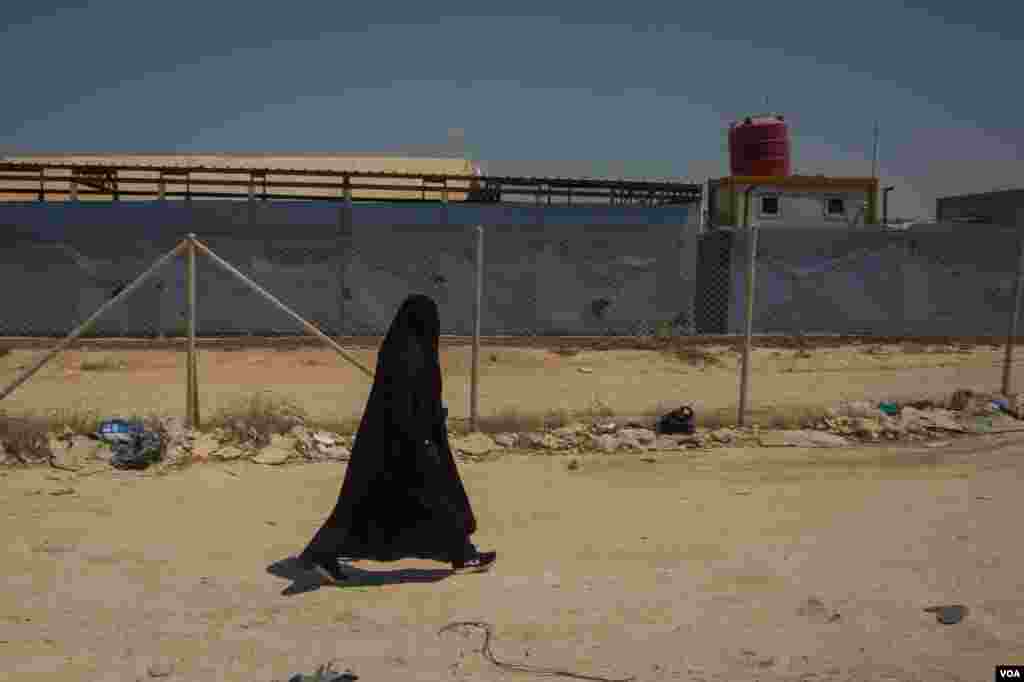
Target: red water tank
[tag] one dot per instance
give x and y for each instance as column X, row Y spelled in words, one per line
column 759, row 146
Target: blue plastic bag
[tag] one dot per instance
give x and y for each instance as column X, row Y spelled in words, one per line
column 118, row 431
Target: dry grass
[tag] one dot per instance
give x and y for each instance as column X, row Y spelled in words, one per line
column 783, row 419
column 27, row 436
column 256, row 418
column 512, row 420
column 103, row 364
column 695, row 356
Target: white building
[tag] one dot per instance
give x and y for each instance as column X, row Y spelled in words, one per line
column 793, row 201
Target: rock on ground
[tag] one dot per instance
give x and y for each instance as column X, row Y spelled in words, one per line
column 641, row 436
column 604, row 442
column 229, row 453
column 542, row 441
column 279, row 451
column 204, row 446
column 77, row 451
column 507, row 440
column 802, row 439
column 723, row 435
column 335, row 453
column 569, row 432
column 474, row 444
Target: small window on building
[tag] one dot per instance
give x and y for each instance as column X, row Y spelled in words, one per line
column 835, row 207
column 770, row 206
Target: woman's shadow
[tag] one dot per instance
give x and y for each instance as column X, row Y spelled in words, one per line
column 307, row 581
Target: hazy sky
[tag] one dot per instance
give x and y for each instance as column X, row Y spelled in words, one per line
column 637, row 89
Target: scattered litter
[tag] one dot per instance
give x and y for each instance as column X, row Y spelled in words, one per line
column 677, row 421
column 118, row 431
column 889, row 409
column 584, row 370
column 815, row 609
column 134, row 446
column 948, row 615
column 326, row 673
column 485, row 650
column 62, row 491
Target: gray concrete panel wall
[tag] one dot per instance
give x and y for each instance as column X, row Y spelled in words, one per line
column 998, row 208
column 600, row 274
column 928, row 281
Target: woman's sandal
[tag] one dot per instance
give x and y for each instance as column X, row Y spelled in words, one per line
column 480, row 561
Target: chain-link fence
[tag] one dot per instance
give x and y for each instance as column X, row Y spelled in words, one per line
column 932, row 309
column 346, row 272
column 547, row 285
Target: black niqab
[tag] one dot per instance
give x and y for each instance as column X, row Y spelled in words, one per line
column 402, row 495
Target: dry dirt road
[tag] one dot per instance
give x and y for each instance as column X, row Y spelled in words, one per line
column 526, row 380
column 768, row 564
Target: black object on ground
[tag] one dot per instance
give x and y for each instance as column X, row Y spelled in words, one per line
column 485, row 650
column 326, row 673
column 677, row 421
column 948, row 615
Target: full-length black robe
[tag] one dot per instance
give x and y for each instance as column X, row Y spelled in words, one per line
column 401, row 497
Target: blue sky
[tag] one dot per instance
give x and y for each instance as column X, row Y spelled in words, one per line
column 639, row 89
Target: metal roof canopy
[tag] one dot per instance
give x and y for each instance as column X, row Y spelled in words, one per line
column 111, row 180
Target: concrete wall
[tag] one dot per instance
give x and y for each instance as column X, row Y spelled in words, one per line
column 934, row 280
column 551, row 271
column 997, row 208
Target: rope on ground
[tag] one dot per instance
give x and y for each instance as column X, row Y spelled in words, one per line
column 485, row 650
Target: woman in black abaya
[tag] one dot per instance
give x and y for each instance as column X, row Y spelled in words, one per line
column 402, row 496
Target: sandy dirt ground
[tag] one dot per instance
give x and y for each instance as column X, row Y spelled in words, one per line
column 767, row 564
column 522, row 378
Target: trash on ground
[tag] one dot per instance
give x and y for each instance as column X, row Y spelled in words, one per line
column 948, row 615
column 118, row 431
column 889, row 409
column 325, row 673
column 134, row 446
column 677, row 421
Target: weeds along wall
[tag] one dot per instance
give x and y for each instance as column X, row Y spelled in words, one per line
column 932, row 281
column 554, row 270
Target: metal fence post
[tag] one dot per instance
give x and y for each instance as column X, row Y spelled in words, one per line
column 748, row 321
column 192, row 388
column 474, row 388
column 270, row 298
column 82, row 328
column 1011, row 334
